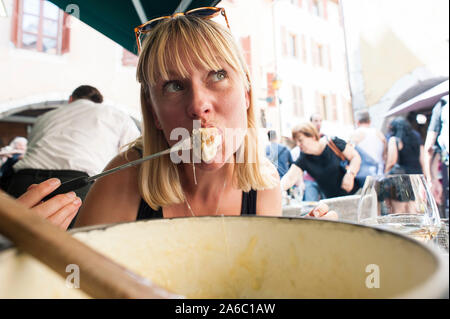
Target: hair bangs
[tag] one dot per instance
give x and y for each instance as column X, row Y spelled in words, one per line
column 181, row 44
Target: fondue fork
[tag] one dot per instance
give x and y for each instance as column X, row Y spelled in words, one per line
column 79, row 182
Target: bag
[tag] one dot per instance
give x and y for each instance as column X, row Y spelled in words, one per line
column 368, row 165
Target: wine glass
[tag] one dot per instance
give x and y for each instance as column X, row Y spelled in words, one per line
column 400, row 203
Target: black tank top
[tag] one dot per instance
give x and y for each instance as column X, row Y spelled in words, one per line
column 248, row 205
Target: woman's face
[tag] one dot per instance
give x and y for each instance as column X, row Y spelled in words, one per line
column 307, row 144
column 214, row 98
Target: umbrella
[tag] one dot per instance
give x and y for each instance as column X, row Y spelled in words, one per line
column 422, row 101
column 117, row 19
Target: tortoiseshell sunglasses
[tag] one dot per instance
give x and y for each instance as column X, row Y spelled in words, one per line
column 204, row 13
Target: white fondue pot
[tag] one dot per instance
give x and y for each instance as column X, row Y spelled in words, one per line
column 247, row 257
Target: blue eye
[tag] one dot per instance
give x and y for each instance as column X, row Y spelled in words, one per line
column 173, row 86
column 220, row 75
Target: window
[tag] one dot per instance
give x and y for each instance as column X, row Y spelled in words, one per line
column 271, row 95
column 284, row 40
column 348, row 111
column 297, row 99
column 322, row 105
column 40, row 26
column 319, row 53
column 292, row 45
column 304, row 49
column 246, row 46
column 334, row 115
column 316, row 8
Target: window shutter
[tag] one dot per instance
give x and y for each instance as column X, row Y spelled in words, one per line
column 334, row 107
column 318, row 104
column 246, row 48
column 313, row 53
column 329, row 58
column 304, row 48
column 294, row 100
column 284, row 41
column 15, row 23
column 270, row 90
column 325, row 9
column 65, row 41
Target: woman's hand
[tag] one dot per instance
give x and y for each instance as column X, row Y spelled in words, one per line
column 59, row 210
column 348, row 182
column 323, row 211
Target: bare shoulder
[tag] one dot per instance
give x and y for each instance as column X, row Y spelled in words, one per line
column 113, row 198
column 380, row 135
column 357, row 136
column 268, row 202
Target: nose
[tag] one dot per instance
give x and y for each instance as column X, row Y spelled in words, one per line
column 200, row 106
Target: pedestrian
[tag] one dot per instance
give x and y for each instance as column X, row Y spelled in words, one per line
column 278, row 154
column 15, row 149
column 316, row 119
column 74, row 140
column 405, row 149
column 311, row 191
column 323, row 164
column 10, row 155
column 370, row 140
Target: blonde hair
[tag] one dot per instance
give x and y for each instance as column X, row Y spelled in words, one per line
column 306, row 128
column 204, row 42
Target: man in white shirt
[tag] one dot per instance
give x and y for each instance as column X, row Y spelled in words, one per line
column 369, row 139
column 74, row 140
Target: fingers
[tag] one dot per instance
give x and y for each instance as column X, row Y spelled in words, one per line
column 67, row 221
column 331, row 215
column 64, row 216
column 36, row 193
column 320, row 210
column 55, row 204
column 31, row 186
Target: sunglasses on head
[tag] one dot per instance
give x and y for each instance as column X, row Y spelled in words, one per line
column 204, row 13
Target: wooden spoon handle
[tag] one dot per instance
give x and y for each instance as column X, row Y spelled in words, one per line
column 100, row 277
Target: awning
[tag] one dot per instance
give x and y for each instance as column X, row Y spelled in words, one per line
column 117, row 19
column 422, row 101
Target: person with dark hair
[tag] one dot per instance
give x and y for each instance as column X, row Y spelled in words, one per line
column 278, row 154
column 405, row 149
column 74, row 140
column 86, row 92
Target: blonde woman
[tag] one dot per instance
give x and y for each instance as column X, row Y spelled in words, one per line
column 190, row 69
